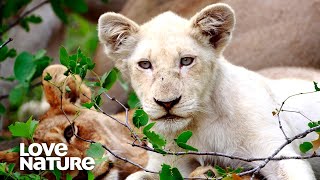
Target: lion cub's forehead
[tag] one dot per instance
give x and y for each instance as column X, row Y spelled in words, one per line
column 165, row 36
column 166, row 23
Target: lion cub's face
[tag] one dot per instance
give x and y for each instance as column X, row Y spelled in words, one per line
column 170, row 61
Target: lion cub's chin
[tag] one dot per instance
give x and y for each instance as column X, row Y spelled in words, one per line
column 172, row 125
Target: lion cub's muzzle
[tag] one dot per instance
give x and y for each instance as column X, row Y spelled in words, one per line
column 169, row 104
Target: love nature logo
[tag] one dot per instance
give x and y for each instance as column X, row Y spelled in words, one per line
column 32, row 160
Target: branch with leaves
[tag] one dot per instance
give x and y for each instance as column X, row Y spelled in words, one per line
column 140, row 119
column 79, row 64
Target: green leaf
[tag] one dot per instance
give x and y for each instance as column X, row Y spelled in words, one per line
column 24, row 24
column 186, row 146
column 2, row 109
column 25, row 130
column 64, row 57
column 10, row 168
column 176, row 174
column 165, row 173
column 41, row 64
column 87, row 105
column 184, row 136
column 3, row 52
column 100, row 91
column 58, row 10
column 306, row 146
column 78, row 6
column 72, row 65
column 140, row 118
column 12, row 7
column 314, row 124
column 69, row 177
column 148, row 127
column 182, row 140
column 11, row 53
column 98, row 101
column 133, row 100
column 90, row 64
column 91, row 84
column 17, row 175
column 40, row 54
column 30, row 19
column 157, row 140
column 238, row 170
column 168, row 173
column 14, row 149
column 90, row 175
column 3, row 168
column 316, row 86
column 98, row 161
column 17, row 95
column 220, row 170
column 108, row 79
column 83, row 72
column 57, row 173
column 96, row 151
column 34, row 19
column 30, row 176
column 24, row 67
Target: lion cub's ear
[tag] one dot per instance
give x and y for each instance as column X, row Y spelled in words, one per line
column 118, row 34
column 68, row 88
column 213, row 25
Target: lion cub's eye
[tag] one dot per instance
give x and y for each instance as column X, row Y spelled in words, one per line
column 186, row 61
column 68, row 132
column 145, row 64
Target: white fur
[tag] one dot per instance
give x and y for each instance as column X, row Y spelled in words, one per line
column 228, row 108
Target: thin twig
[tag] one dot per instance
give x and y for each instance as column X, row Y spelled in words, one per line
column 26, row 13
column 226, row 155
column 298, row 112
column 298, row 136
column 281, row 110
column 126, row 124
column 280, row 126
column 127, row 117
column 5, row 43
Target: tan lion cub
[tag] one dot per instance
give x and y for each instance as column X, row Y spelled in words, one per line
column 178, row 71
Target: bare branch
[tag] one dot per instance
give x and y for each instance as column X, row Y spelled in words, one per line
column 298, row 112
column 127, row 117
column 5, row 43
column 226, row 155
column 266, row 161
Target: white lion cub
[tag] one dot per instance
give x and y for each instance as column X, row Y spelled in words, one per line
column 177, row 69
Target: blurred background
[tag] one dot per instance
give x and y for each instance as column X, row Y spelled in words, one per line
column 277, row 38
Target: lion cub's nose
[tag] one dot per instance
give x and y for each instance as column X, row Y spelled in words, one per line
column 168, row 105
